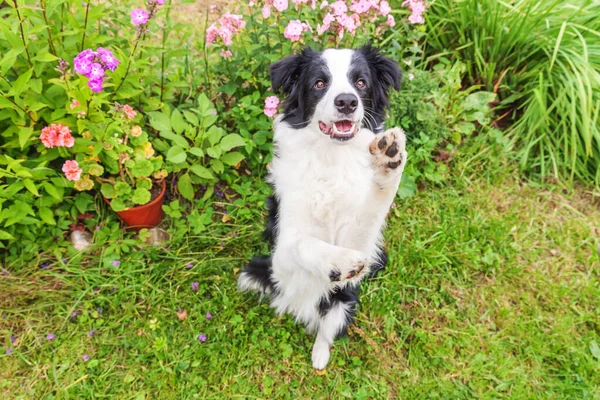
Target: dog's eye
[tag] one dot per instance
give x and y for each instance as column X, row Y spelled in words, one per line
column 360, row 84
column 319, row 84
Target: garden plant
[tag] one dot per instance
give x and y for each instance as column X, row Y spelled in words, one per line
column 492, row 283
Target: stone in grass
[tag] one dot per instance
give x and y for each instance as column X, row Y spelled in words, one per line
column 154, row 236
column 81, row 240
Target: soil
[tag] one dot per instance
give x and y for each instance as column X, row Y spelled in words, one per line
column 155, row 191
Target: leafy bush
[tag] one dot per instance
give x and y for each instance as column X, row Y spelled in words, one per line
column 543, row 59
column 90, row 91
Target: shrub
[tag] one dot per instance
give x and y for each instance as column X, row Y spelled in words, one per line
column 543, row 59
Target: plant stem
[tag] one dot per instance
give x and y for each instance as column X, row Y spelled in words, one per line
column 137, row 41
column 204, row 48
column 50, row 42
column 87, row 9
column 23, row 34
column 162, row 55
column 20, row 108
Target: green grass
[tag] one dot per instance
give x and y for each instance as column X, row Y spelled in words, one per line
column 492, row 291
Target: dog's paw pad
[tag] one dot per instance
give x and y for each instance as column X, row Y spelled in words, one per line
column 335, row 275
column 389, row 149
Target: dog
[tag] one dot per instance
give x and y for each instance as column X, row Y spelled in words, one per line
column 334, row 173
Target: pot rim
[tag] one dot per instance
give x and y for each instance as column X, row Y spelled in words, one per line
column 143, row 206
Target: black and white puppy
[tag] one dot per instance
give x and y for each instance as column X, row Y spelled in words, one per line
column 335, row 174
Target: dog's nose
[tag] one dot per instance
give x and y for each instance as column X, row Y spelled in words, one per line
column 346, row 103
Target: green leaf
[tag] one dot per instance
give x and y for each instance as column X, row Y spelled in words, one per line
column 465, row 128
column 177, row 122
column 108, row 191
column 214, row 152
column 232, row 158
column 479, row 101
column 176, row 155
column 178, row 140
column 595, row 349
column 53, row 190
column 5, row 235
column 30, row 185
column 185, row 187
column 24, row 135
column 45, row 57
column 201, row 171
column 232, row 140
column 142, row 168
column 20, row 84
column 197, row 151
column 229, row 89
column 408, row 187
column 144, row 184
column 217, row 166
column 215, row 134
column 122, row 189
column 117, row 204
column 140, row 196
column 191, row 117
column 159, row 121
column 47, row 216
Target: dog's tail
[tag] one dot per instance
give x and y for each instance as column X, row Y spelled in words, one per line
column 258, row 276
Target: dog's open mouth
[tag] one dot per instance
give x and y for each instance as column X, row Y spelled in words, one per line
column 339, row 130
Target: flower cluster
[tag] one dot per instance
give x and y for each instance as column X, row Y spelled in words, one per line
column 227, row 26
column 280, row 5
column 271, row 104
column 57, row 136
column 126, row 109
column 417, row 8
column 294, row 30
column 338, row 21
column 72, row 170
column 93, row 65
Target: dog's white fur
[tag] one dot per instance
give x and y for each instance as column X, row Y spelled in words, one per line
column 333, row 200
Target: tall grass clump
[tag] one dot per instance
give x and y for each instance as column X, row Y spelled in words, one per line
column 543, row 59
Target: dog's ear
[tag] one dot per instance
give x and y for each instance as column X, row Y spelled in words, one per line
column 385, row 72
column 285, row 73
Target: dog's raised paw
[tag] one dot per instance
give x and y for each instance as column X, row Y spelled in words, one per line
column 353, row 265
column 389, row 149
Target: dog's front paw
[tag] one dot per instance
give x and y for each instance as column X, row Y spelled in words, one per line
column 353, row 265
column 389, row 150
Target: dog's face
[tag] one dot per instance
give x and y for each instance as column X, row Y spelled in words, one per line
column 337, row 91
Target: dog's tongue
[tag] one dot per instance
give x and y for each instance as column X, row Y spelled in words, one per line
column 343, row 126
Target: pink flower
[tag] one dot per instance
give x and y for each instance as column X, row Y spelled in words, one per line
column 390, row 21
column 294, row 29
column 384, row 8
column 266, row 11
column 211, row 34
column 226, row 34
column 57, row 136
column 280, row 5
column 129, row 111
column 213, row 8
column 339, row 7
column 159, row 2
column 226, row 54
column 326, row 24
column 139, row 17
column 271, row 102
column 270, row 112
column 324, row 4
column 95, row 85
column 360, row 7
column 72, row 170
column 74, row 104
column 251, row 3
column 96, row 71
column 350, row 22
column 417, row 8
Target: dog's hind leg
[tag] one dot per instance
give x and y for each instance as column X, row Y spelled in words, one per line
column 257, row 276
column 330, row 326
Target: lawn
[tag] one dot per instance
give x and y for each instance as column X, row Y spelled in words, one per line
column 492, row 291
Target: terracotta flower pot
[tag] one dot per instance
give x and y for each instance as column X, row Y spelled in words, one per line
column 146, row 216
